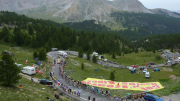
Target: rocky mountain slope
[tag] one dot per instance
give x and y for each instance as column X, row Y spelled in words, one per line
column 165, row 12
column 76, row 10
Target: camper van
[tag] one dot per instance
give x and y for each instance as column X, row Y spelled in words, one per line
column 147, row 75
column 28, row 70
column 54, row 49
column 94, row 54
column 62, row 53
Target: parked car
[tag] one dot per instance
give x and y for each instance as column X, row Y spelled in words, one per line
column 131, row 68
column 133, row 71
column 115, row 63
column 145, row 70
column 135, row 66
column 152, row 97
column 105, row 60
column 151, row 63
column 156, row 69
column 45, row 82
column 161, row 50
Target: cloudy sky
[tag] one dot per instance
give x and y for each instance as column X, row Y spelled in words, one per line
column 167, row 4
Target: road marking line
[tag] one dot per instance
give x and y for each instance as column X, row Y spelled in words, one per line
column 83, row 98
column 85, row 93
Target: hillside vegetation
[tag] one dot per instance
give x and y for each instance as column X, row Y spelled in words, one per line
column 30, row 91
column 23, row 31
column 132, row 26
column 41, row 33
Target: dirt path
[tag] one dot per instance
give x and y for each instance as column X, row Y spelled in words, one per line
column 29, row 77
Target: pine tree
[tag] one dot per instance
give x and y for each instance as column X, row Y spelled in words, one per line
column 18, row 36
column 9, row 72
column 82, row 66
column 30, row 30
column 80, row 53
column 94, row 59
column 136, row 50
column 112, row 76
column 42, row 54
column 5, row 34
column 120, row 53
column 35, row 55
column 154, row 51
column 88, row 55
column 171, row 49
column 113, row 55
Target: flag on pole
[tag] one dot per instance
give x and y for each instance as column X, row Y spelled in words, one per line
column 27, row 60
column 39, row 71
column 58, row 82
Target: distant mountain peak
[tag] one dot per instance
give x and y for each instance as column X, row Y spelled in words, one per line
column 76, row 10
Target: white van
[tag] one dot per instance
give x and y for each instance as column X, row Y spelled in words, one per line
column 28, row 70
column 131, row 68
column 147, row 75
column 95, row 54
column 145, row 70
column 62, row 53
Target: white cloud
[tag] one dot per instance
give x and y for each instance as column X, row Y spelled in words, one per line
column 166, row 4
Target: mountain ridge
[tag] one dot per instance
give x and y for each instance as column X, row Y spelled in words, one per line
column 78, row 10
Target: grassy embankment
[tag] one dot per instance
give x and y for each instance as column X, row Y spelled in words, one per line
column 31, row 92
column 124, row 75
column 141, row 58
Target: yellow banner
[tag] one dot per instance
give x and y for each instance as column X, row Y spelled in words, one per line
column 149, row 86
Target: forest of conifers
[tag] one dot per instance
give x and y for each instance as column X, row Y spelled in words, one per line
column 43, row 33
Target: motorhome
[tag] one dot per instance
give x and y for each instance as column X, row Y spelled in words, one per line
column 54, row 49
column 28, row 70
column 94, row 54
column 62, row 53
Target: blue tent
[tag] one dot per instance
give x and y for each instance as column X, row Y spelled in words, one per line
column 39, row 62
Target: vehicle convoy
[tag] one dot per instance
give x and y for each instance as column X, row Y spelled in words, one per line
column 28, row 70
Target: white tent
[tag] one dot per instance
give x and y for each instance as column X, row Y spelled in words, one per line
column 95, row 54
